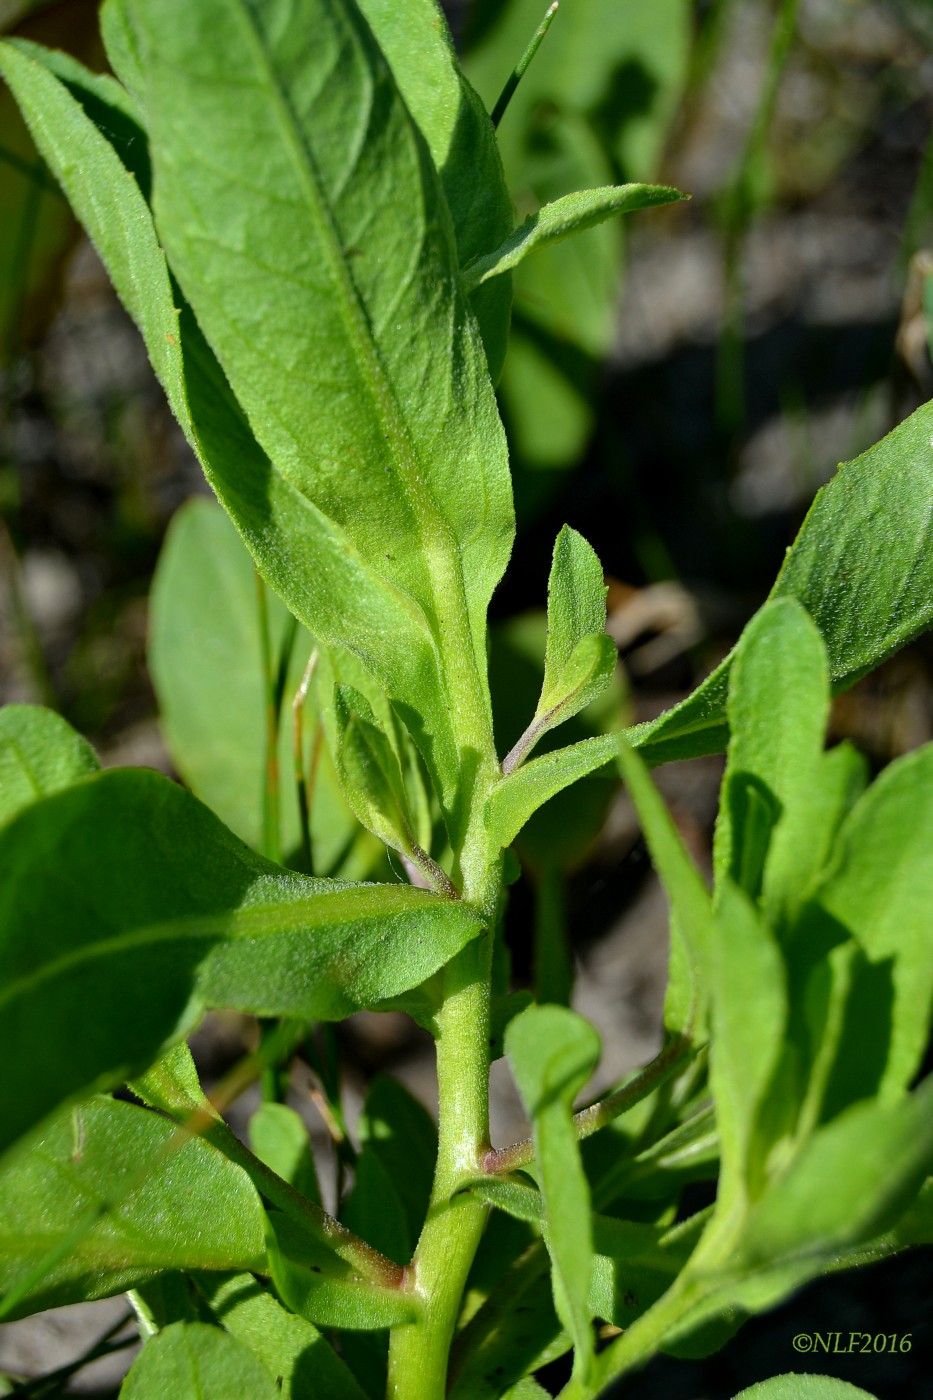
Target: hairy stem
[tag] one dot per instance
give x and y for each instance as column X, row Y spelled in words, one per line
column 418, row 1353
column 598, row 1115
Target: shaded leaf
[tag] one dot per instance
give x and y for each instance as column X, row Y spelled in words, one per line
column 192, row 1358
column 370, row 771
column 292, row 1350
column 319, row 1286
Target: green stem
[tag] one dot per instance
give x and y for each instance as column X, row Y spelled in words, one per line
column 521, row 67
column 418, row 1353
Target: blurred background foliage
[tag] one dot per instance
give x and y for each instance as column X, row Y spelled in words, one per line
column 677, row 388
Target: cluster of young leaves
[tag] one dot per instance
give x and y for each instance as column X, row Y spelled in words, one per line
column 327, row 326
column 807, row 971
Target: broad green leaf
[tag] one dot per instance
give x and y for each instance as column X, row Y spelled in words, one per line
column 370, row 772
column 801, row 1386
column 40, row 754
column 777, row 711
column 205, row 657
column 748, row 1017
column 319, row 1286
column 516, row 798
column 879, row 889
column 849, row 1183
column 346, row 598
column 155, row 911
column 279, row 1137
column 870, row 527
column 146, row 1209
column 414, row 37
column 691, row 917
column 570, row 214
column 553, row 1052
column 292, row 1349
column 192, row 1358
column 362, row 288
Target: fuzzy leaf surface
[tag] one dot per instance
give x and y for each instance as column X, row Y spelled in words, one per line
column 129, row 908
column 188, row 1208
column 572, row 213
column 40, row 754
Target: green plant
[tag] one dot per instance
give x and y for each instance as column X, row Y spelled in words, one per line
column 326, row 319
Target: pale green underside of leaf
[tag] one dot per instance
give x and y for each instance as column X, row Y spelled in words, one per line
column 40, row 754
column 572, row 213
column 194, row 1359
column 129, row 908
column 189, row 1208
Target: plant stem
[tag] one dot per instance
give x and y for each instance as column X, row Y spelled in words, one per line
column 521, row 67
column 418, row 1353
column 598, row 1115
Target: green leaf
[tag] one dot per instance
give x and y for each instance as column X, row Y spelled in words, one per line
column 104, row 1203
column 291, row 1348
column 777, row 710
column 849, row 1183
column 553, row 1052
column 879, row 889
column 157, row 911
column 279, row 1137
column 570, row 214
column 370, row 772
column 398, row 1134
column 801, row 1386
column 691, row 916
column 515, row 799
column 415, row 39
column 172, row 1084
column 40, row 754
column 422, row 497
column 121, row 48
column 321, row 1287
column 205, row 657
column 869, row 527
column 748, row 1016
column 191, row 1358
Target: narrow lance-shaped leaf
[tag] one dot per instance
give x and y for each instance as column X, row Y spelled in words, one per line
column 579, row 657
column 40, row 754
column 192, row 1358
column 370, row 771
column 553, row 1052
column 562, row 217
column 362, row 287
column 691, row 917
column 777, row 711
column 193, row 1210
column 748, row 1015
column 154, row 912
